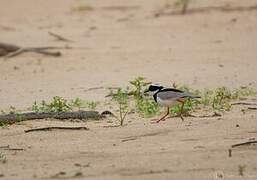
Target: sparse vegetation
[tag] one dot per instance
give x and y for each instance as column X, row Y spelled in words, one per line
column 146, row 107
column 139, row 85
column 189, row 105
column 218, row 100
column 183, row 4
column 59, row 104
column 80, row 104
column 133, row 97
column 82, row 8
column 3, row 158
column 241, row 170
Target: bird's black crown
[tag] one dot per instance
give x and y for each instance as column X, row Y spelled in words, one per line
column 155, row 88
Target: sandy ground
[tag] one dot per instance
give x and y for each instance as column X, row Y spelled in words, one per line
column 115, row 42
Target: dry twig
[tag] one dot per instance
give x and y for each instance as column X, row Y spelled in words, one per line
column 244, row 143
column 243, row 103
column 252, row 108
column 7, row 147
column 58, row 37
column 208, row 9
column 10, row 50
column 56, row 127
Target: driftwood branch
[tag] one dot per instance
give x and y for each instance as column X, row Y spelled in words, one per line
column 56, row 127
column 244, row 143
column 59, row 37
column 10, row 50
column 12, row 118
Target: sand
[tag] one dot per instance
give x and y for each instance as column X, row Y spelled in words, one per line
column 113, row 43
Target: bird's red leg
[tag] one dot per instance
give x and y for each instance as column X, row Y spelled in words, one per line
column 163, row 118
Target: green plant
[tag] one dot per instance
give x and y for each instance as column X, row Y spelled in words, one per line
column 221, row 99
column 2, row 112
column 206, row 97
column 58, row 104
column 121, row 97
column 80, row 103
column 243, row 91
column 82, row 8
column 3, row 158
column 241, row 170
column 77, row 103
column 189, row 105
column 3, row 124
column 92, row 105
column 146, row 107
column 139, row 85
column 183, row 4
column 12, row 110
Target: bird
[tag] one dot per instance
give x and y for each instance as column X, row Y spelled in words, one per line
column 169, row 97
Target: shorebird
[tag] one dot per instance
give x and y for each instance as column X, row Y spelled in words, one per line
column 169, row 97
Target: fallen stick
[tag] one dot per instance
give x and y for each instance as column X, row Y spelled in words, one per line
column 244, row 143
column 10, row 50
column 252, row 108
column 12, row 118
column 14, row 149
column 7, row 147
column 129, row 139
column 56, row 127
column 3, row 147
column 215, row 114
column 36, row 50
column 243, row 103
column 229, row 152
column 58, row 37
column 6, row 48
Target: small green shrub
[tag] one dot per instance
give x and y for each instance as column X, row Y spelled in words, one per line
column 82, row 8
column 241, row 170
column 221, row 99
column 3, row 158
column 121, row 98
column 146, row 107
column 139, row 85
column 80, row 104
column 59, row 104
column 189, row 105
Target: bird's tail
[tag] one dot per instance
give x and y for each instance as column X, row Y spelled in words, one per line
column 189, row 95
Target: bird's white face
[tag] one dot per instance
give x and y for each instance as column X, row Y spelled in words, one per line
column 151, row 93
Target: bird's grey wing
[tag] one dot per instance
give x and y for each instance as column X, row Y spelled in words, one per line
column 170, row 95
column 173, row 95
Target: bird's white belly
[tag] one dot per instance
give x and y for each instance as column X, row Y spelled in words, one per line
column 168, row 103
